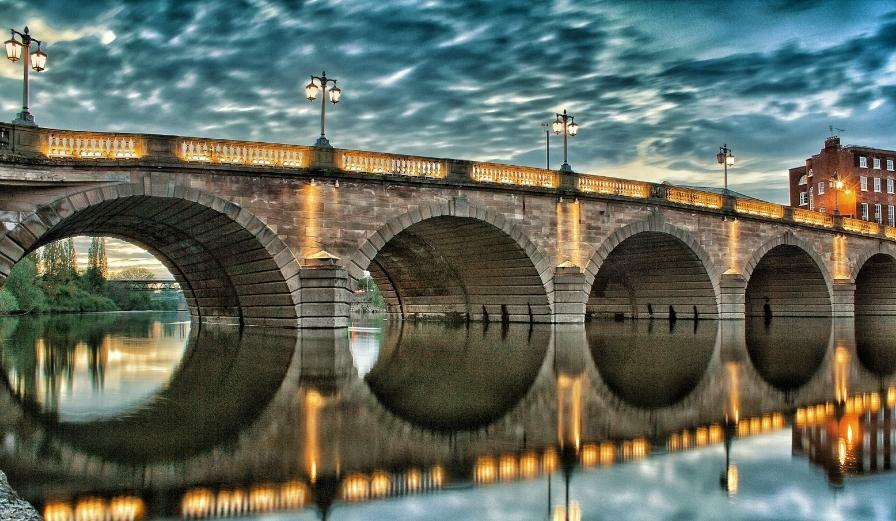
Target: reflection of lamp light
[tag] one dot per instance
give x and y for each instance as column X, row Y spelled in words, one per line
column 574, row 513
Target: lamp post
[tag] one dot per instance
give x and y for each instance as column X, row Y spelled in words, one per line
column 837, row 185
column 547, row 145
column 726, row 159
column 37, row 60
column 334, row 94
column 565, row 124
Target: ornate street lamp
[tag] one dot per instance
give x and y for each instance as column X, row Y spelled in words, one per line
column 726, row 159
column 37, row 60
column 566, row 125
column 335, row 93
column 837, row 185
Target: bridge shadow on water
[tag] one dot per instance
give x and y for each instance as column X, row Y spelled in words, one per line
column 185, row 418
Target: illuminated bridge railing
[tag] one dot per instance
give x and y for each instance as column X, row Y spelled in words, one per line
column 376, row 163
column 814, row 218
column 860, row 226
column 613, row 186
column 691, row 197
column 87, row 145
column 203, row 502
column 242, row 153
column 514, row 175
column 75, row 145
column 760, row 208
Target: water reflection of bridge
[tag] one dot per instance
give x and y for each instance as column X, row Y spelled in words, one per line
column 316, row 424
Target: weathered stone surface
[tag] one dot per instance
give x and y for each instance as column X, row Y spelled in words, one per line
column 12, row 507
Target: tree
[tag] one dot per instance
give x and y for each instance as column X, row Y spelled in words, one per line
column 96, row 257
column 22, row 284
column 134, row 273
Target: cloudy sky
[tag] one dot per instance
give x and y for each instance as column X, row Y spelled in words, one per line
column 656, row 87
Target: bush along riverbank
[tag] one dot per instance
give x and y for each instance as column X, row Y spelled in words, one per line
column 50, row 282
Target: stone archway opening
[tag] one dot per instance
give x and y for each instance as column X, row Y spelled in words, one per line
column 876, row 286
column 229, row 272
column 458, row 268
column 787, row 282
column 652, row 275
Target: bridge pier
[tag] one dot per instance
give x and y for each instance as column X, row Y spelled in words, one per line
column 732, row 297
column 570, row 294
column 325, row 294
column 843, row 293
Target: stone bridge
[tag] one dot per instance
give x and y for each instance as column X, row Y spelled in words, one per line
column 279, row 235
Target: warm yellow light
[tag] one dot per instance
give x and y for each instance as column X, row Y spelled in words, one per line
column 379, row 484
column 701, row 436
column 549, row 461
column 715, row 433
column 575, row 512
column 38, row 60
column 262, row 498
column 58, row 511
column 437, row 477
column 589, row 455
column 485, row 470
column 125, row 508
column 528, row 465
column 800, row 417
column 292, row 495
column 413, row 480
column 355, row 487
column 197, row 502
column 230, row 502
column 733, row 479
column 335, row 95
column 607, row 453
column 90, row 509
column 507, row 467
column 841, row 451
column 311, row 91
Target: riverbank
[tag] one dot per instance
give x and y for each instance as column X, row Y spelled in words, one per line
column 12, row 507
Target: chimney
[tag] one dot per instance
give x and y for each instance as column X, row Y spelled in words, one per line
column 832, row 142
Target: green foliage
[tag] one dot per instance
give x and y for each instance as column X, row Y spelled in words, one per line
column 96, row 257
column 70, row 298
column 8, row 302
column 22, row 284
column 135, row 273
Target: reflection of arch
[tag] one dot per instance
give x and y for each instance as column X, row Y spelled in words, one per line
column 455, row 259
column 230, row 265
column 786, row 277
column 190, row 415
column 875, row 278
column 651, row 263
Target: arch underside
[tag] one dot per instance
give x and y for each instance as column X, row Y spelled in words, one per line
column 226, row 273
column 790, row 283
column 459, row 267
column 876, row 286
column 648, row 274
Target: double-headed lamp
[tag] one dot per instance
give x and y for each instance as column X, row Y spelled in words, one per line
column 38, row 60
column 335, row 94
column 13, row 49
column 311, row 91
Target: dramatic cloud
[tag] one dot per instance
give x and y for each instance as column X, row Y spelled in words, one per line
column 657, row 87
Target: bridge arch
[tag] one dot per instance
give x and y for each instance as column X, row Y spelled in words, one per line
column 787, row 277
column 648, row 268
column 231, row 267
column 456, row 260
column 875, row 279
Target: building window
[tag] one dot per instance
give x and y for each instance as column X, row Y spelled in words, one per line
column 889, row 186
column 877, row 184
column 821, row 188
column 889, row 165
column 864, row 211
column 877, row 215
column 863, row 183
column 863, row 162
column 877, row 163
column 810, row 171
column 803, row 199
column 891, row 215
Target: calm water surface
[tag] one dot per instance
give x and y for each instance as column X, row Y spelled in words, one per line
column 145, row 415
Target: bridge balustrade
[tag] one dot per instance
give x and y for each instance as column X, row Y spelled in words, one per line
column 243, row 153
column 376, row 163
column 75, row 145
column 514, row 175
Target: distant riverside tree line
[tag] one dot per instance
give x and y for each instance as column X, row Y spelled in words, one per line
column 50, row 281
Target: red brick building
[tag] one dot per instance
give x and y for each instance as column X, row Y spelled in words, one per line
column 858, row 181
